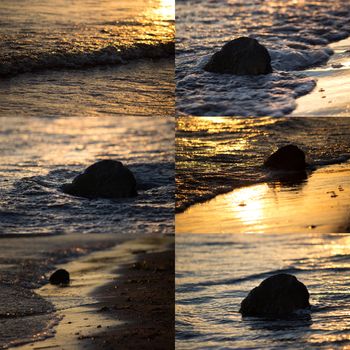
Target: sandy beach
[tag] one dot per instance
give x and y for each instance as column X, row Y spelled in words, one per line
column 331, row 95
column 78, row 234
column 319, row 203
column 123, row 295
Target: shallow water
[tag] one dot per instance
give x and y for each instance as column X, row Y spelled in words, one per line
column 296, row 33
column 318, row 202
column 135, row 89
column 96, row 58
column 330, row 97
column 216, row 155
column 39, row 35
column 40, row 226
column 38, row 155
column 215, row 272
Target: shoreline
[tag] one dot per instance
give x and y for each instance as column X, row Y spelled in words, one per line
column 101, row 91
column 330, row 96
column 318, row 204
column 144, row 301
column 88, row 305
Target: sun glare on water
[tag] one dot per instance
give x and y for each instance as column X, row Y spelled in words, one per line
column 163, row 11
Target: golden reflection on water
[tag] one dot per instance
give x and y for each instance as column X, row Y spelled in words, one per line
column 39, row 145
column 320, row 204
column 333, row 247
column 251, row 210
column 213, row 125
column 165, row 11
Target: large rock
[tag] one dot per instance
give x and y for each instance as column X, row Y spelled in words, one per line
column 277, row 296
column 105, row 179
column 242, row 56
column 288, row 157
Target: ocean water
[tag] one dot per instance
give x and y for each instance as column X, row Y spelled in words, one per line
column 40, row 226
column 38, row 155
column 214, row 273
column 296, row 33
column 82, row 54
column 216, row 155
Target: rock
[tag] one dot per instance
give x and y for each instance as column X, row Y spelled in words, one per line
column 105, row 179
column 60, row 276
column 242, row 56
column 277, row 296
column 288, row 157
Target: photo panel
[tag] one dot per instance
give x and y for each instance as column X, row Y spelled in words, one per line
column 87, row 174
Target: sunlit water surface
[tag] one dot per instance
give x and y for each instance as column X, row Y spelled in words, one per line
column 41, row 227
column 78, row 58
column 38, row 155
column 215, row 272
column 219, row 154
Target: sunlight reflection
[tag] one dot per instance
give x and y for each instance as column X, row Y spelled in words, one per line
column 220, row 124
column 164, row 11
column 247, row 205
column 277, row 209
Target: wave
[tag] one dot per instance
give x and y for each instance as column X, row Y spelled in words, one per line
column 296, row 37
column 324, row 162
column 185, row 288
column 231, row 281
column 109, row 55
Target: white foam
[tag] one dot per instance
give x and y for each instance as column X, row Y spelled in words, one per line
column 296, row 37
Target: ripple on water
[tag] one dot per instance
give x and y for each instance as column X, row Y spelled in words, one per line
column 207, row 317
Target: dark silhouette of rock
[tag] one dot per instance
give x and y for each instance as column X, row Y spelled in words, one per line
column 105, row 179
column 277, row 296
column 242, row 56
column 60, row 277
column 288, row 157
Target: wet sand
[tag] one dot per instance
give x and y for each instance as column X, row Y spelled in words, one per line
column 144, row 299
column 331, row 95
column 103, row 307
column 321, row 203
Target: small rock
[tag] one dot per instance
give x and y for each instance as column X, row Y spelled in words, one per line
column 277, row 296
column 60, row 277
column 139, row 251
column 104, row 309
column 242, row 56
column 337, row 65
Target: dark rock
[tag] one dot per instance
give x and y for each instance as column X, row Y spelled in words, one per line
column 60, row 276
column 105, row 179
column 242, row 56
column 277, row 296
column 289, row 157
